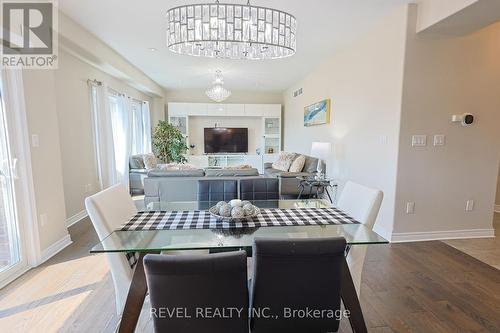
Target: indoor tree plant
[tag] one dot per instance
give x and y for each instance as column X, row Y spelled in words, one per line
column 169, row 145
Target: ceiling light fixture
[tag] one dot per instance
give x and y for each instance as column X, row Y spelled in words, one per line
column 218, row 93
column 230, row 31
column 152, row 49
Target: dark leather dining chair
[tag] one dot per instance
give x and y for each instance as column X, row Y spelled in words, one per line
column 296, row 274
column 259, row 189
column 214, row 190
column 191, row 282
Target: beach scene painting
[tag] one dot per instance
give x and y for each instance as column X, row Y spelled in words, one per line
column 317, row 114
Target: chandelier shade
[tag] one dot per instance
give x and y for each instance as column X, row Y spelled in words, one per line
column 231, row 31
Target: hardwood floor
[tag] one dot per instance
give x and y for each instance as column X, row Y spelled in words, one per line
column 412, row 287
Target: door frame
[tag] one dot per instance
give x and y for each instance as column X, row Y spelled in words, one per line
column 15, row 110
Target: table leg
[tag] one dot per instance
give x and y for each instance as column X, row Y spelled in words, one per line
column 310, row 191
column 351, row 301
column 301, row 190
column 135, row 299
column 328, row 193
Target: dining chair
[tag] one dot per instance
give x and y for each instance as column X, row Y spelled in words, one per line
column 214, row 190
column 259, row 189
column 192, row 282
column 294, row 274
column 363, row 204
column 108, row 210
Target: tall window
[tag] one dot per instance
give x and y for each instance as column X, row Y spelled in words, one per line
column 141, row 127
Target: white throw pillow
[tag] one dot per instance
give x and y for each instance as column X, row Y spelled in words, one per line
column 284, row 161
column 298, row 164
column 150, row 161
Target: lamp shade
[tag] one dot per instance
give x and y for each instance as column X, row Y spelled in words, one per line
column 321, row 150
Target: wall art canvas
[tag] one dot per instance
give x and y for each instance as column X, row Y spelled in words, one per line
column 317, row 114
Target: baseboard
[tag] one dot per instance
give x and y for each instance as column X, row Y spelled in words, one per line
column 76, row 218
column 441, row 235
column 497, row 208
column 55, row 248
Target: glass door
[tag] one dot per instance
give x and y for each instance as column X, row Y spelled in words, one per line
column 10, row 245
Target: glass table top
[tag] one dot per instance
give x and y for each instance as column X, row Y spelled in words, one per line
column 233, row 238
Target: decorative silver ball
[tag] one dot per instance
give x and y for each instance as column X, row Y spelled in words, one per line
column 220, row 204
column 237, row 212
column 248, row 209
column 225, row 210
column 245, row 202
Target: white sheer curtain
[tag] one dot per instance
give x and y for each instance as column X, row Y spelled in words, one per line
column 146, row 123
column 119, row 108
column 103, row 135
column 122, row 127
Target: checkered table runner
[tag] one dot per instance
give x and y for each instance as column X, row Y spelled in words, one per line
column 172, row 220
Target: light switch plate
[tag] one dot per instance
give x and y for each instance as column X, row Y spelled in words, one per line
column 439, row 140
column 469, row 206
column 35, row 140
column 410, row 208
column 419, row 140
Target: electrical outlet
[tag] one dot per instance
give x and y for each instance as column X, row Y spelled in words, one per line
column 469, row 205
column 43, row 219
column 410, row 208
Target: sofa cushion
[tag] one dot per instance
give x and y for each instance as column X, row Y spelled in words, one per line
column 150, row 161
column 298, row 164
column 176, row 173
column 270, row 172
column 310, row 165
column 284, row 161
column 136, row 162
column 231, row 172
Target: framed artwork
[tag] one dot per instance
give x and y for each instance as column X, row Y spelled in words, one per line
column 317, row 114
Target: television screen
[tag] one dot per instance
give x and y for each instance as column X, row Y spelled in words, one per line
column 226, row 140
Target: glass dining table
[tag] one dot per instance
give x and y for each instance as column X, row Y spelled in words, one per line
column 218, row 238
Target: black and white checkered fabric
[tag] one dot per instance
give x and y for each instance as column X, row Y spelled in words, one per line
column 162, row 220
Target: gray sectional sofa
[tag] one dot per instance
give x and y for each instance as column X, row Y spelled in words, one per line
column 288, row 182
column 182, row 185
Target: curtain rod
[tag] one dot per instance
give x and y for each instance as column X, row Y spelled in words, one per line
column 99, row 83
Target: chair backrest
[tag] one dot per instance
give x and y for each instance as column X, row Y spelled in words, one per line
column 360, row 202
column 217, row 190
column 108, row 210
column 259, row 189
column 190, row 282
column 296, row 274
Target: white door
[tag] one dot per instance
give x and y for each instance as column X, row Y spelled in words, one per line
column 12, row 258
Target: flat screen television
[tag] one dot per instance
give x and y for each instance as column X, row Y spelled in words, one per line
column 226, row 140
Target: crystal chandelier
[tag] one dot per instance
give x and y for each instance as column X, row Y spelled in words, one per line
column 231, row 31
column 218, row 93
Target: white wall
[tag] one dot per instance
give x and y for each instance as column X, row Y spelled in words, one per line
column 444, row 76
column 75, row 126
column 497, row 201
column 198, row 124
column 364, row 82
column 39, row 86
column 431, row 12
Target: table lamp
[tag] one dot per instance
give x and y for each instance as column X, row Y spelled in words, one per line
column 321, row 150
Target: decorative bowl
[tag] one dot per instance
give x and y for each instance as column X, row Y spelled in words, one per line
column 215, row 213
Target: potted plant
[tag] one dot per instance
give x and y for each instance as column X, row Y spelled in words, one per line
column 169, row 145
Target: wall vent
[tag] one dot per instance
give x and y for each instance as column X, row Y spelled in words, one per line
column 297, row 92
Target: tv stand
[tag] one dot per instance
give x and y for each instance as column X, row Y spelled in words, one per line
column 226, row 160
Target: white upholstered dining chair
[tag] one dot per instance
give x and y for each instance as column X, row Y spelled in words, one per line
column 363, row 204
column 108, row 210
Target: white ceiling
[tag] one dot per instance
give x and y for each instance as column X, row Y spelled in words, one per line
column 131, row 27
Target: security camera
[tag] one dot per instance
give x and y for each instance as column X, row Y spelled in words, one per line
column 465, row 119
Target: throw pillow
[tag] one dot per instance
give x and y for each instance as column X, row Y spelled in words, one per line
column 150, row 161
column 284, row 161
column 298, row 164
